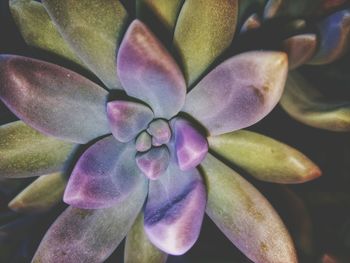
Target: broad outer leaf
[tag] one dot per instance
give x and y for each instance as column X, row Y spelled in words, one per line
column 166, row 11
column 104, row 175
column 245, row 216
column 41, row 195
column 239, row 92
column 93, row 29
column 52, row 99
column 307, row 105
column 334, row 38
column 204, row 29
column 88, row 236
column 148, row 72
column 174, row 210
column 24, row 152
column 264, row 158
column 138, row 249
column 38, row 30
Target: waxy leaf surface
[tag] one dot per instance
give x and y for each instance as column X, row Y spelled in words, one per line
column 239, row 92
column 245, row 216
column 52, row 99
column 174, row 210
column 148, row 72
column 104, row 175
column 264, row 158
column 93, row 29
column 24, row 152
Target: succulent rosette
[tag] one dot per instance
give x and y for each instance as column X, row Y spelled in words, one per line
column 317, row 42
column 149, row 135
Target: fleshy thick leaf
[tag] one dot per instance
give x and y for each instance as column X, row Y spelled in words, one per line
column 204, row 29
column 90, row 235
column 104, row 175
column 41, row 195
column 166, row 11
column 138, row 249
column 52, row 99
column 245, row 216
column 160, row 131
column 300, row 49
column 143, row 142
column 93, row 29
column 148, row 72
column 191, row 146
column 239, row 92
column 252, row 22
column 174, row 210
column 127, row 119
column 264, row 158
column 24, row 152
column 307, row 105
column 334, row 38
column 38, row 30
column 154, row 162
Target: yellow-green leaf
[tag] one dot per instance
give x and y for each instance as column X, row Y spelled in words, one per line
column 24, row 152
column 138, row 248
column 307, row 105
column 264, row 158
column 245, row 216
column 93, row 29
column 38, row 30
column 41, row 195
column 204, row 29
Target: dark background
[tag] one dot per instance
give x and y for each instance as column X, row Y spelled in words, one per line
column 327, row 200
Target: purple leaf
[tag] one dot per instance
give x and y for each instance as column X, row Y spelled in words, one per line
column 127, row 119
column 160, row 131
column 239, row 92
column 148, row 72
column 52, row 99
column 191, row 147
column 174, row 210
column 143, row 142
column 90, row 235
column 154, row 162
column 104, row 175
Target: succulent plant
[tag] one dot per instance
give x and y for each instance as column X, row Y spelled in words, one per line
column 148, row 132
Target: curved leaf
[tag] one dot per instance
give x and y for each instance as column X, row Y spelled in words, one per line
column 24, row 152
column 93, row 29
column 245, row 216
column 174, row 210
column 138, row 248
column 52, row 99
column 127, row 119
column 41, row 195
column 239, row 92
column 38, row 30
column 300, row 49
column 104, row 175
column 148, row 72
column 204, row 29
column 90, row 235
column 307, row 105
column 264, row 158
column 334, row 38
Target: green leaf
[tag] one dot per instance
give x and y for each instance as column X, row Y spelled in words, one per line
column 204, row 29
column 24, row 152
column 307, row 105
column 93, row 29
column 264, row 158
column 80, row 235
column 38, row 30
column 164, row 11
column 245, row 216
column 41, row 195
column 138, row 248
